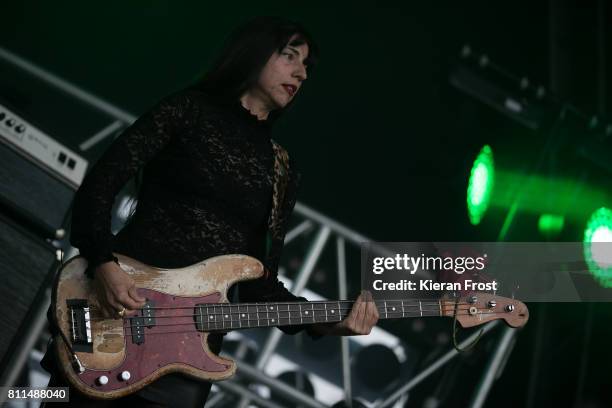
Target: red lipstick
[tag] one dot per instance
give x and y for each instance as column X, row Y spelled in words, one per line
column 291, row 89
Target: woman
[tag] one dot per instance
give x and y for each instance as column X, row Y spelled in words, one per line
column 207, row 189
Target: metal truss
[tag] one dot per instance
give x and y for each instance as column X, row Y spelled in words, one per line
column 327, row 227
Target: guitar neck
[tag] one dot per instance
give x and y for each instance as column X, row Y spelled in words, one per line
column 250, row 315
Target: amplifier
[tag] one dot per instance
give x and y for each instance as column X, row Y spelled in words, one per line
column 38, row 175
column 27, row 265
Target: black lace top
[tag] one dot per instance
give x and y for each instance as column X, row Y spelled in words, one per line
column 208, row 171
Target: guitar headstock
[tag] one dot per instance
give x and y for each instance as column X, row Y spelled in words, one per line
column 481, row 307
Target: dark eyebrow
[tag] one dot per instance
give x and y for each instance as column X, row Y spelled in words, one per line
column 296, row 51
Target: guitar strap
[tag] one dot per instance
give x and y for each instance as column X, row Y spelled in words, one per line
column 281, row 179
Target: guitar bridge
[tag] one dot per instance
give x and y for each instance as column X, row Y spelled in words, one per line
column 80, row 325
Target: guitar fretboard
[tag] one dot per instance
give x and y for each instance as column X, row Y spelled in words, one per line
column 250, row 315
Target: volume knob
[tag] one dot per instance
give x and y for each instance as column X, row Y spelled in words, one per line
column 125, row 375
column 102, row 380
column 492, row 303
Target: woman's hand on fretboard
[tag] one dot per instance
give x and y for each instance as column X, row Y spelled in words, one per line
column 360, row 320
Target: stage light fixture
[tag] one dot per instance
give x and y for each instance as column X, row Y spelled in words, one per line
column 499, row 184
column 480, row 185
column 551, row 225
column 597, row 256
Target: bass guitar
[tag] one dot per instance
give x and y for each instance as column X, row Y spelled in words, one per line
column 107, row 358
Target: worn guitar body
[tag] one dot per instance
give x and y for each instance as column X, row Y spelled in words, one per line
column 120, row 346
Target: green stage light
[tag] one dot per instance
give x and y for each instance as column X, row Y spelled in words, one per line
column 597, row 257
column 480, row 185
column 551, row 225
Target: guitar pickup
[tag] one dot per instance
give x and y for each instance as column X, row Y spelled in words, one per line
column 137, row 328
column 80, row 325
column 148, row 314
column 146, row 319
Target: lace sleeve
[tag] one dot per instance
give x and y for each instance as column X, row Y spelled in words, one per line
column 139, row 143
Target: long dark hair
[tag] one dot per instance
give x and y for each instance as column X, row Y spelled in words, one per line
column 239, row 64
column 247, row 50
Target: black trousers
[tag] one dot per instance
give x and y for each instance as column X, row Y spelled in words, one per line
column 172, row 390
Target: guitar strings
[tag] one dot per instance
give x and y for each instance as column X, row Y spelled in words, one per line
column 322, row 302
column 398, row 316
column 342, row 312
column 351, row 302
column 222, row 329
column 381, row 309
